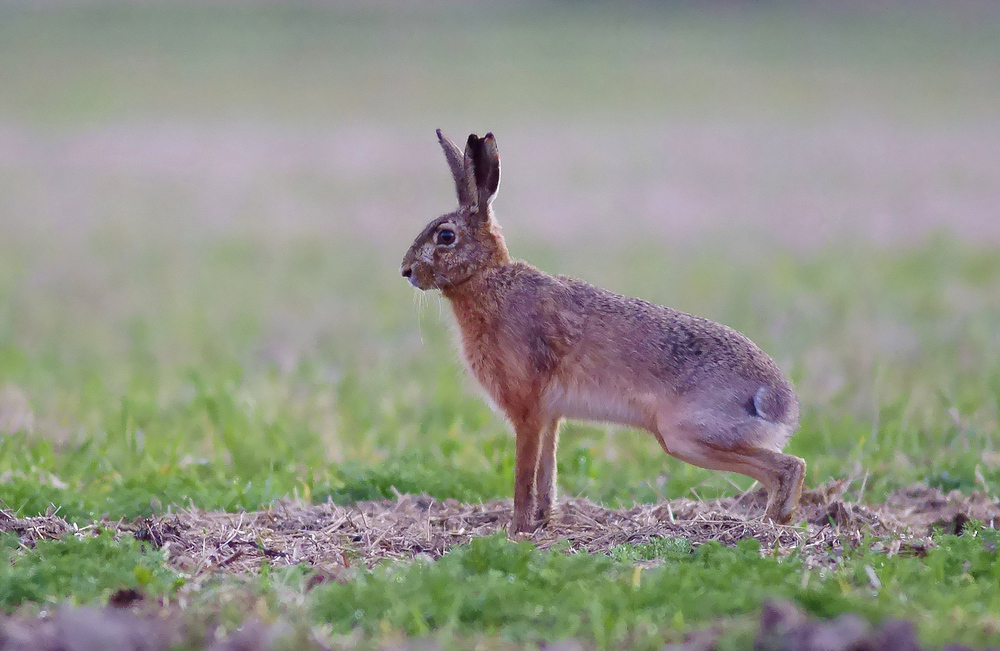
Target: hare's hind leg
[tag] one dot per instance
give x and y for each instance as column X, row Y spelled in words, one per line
column 785, row 491
column 545, row 474
column 780, row 474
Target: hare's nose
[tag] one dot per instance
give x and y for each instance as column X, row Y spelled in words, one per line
column 407, row 272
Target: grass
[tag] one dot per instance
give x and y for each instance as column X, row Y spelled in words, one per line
column 226, row 435
column 497, row 589
column 516, row 592
column 78, row 570
column 224, row 327
column 297, row 62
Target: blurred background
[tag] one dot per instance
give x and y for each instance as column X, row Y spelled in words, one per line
column 203, row 208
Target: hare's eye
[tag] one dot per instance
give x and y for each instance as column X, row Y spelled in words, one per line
column 446, row 236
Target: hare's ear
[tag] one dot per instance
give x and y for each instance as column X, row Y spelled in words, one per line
column 465, row 180
column 483, row 158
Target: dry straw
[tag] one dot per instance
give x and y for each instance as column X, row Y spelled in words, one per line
column 333, row 537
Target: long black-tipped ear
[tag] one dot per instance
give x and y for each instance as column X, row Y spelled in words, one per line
column 465, row 180
column 483, row 157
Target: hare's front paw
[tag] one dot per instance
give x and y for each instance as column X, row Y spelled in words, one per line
column 523, row 523
column 542, row 517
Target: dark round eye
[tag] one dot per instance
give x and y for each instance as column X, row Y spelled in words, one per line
column 446, row 236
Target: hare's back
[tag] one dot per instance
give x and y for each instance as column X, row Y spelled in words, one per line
column 651, row 345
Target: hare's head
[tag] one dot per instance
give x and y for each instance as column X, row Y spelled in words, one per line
column 454, row 247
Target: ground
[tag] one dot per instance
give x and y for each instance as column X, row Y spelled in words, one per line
column 220, row 405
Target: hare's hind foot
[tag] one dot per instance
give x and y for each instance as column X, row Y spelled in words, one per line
column 780, row 474
column 783, row 498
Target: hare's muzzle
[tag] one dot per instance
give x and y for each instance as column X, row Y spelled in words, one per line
column 407, row 272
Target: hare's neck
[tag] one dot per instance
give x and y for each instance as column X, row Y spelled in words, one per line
column 501, row 256
column 475, row 302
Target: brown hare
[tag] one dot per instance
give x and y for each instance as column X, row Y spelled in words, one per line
column 551, row 347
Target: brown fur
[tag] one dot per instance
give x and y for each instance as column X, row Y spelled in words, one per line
column 552, row 347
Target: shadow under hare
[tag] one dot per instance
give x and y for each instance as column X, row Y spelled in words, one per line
column 547, row 348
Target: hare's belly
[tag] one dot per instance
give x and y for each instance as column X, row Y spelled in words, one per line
column 597, row 402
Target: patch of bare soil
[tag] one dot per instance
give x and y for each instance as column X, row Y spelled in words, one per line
column 785, row 628
column 331, row 537
column 782, row 628
column 115, row 629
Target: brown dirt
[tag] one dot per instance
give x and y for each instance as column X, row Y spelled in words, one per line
column 332, row 537
column 782, row 628
column 115, row 629
column 785, row 628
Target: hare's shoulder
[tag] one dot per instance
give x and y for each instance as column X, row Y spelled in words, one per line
column 521, row 283
column 527, row 288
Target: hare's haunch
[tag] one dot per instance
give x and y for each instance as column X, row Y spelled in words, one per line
column 551, row 347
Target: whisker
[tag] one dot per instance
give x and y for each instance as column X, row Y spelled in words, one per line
column 418, row 302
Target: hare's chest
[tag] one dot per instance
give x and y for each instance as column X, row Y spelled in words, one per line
column 501, row 366
column 489, row 359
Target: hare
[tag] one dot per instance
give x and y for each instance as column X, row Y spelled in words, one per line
column 547, row 348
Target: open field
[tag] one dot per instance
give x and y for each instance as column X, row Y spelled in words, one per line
column 215, row 389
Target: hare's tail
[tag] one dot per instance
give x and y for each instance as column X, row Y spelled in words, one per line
column 773, row 404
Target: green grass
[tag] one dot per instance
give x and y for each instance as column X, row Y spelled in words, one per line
column 78, row 571
column 140, row 431
column 497, row 589
column 224, row 331
column 230, row 435
column 305, row 63
column 515, row 592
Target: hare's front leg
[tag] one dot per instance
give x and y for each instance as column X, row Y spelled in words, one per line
column 528, row 435
column 545, row 476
